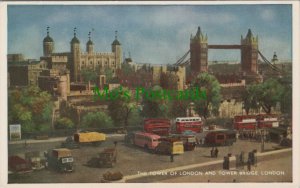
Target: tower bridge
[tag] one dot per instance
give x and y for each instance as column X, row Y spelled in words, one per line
column 199, row 52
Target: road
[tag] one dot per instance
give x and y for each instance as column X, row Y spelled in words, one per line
column 130, row 161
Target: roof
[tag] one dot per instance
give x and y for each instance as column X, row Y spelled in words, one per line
column 90, row 42
column 48, row 39
column 249, row 34
column 23, row 63
column 75, row 40
column 116, row 42
column 148, row 134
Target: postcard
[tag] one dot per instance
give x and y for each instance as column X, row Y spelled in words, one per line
column 150, row 92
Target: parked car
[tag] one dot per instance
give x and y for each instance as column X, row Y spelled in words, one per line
column 18, row 165
column 70, row 143
column 35, row 160
column 107, row 158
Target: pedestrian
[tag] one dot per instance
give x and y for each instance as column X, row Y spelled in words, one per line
column 172, row 157
column 242, row 158
column 212, row 152
column 216, row 152
column 249, row 165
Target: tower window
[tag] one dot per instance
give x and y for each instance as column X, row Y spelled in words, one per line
column 83, row 62
column 91, row 62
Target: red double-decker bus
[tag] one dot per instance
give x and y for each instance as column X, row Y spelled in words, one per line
column 245, row 122
column 189, row 124
column 267, row 120
column 157, row 126
column 251, row 122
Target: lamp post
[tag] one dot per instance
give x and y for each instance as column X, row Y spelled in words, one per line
column 242, row 108
column 78, row 113
column 262, row 134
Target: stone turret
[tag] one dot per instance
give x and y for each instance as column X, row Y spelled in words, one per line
column 117, row 50
column 75, row 58
column 249, row 53
column 90, row 45
column 48, row 44
column 199, row 50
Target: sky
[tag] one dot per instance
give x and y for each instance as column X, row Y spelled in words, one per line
column 157, row 34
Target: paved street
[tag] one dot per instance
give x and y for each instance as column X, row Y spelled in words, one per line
column 130, row 161
column 276, row 170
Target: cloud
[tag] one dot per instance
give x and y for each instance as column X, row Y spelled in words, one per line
column 267, row 15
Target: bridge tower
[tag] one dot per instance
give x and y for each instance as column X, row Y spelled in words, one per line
column 249, row 53
column 199, row 50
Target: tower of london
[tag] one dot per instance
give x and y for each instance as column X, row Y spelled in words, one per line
column 77, row 60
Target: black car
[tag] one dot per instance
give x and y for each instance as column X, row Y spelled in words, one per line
column 70, row 143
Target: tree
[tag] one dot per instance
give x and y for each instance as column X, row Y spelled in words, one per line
column 64, row 123
column 120, row 106
column 269, row 94
column 127, row 69
column 31, row 108
column 135, row 118
column 178, row 108
column 109, row 74
column 88, row 75
column 154, row 108
column 286, row 102
column 213, row 96
column 168, row 80
column 250, row 98
column 96, row 120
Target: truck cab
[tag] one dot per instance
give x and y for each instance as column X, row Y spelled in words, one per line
column 220, row 137
column 60, row 159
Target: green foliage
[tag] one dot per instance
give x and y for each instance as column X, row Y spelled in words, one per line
column 96, row 120
column 64, row 123
column 286, row 102
column 212, row 87
column 269, row 94
column 250, row 98
column 135, row 118
column 178, row 108
column 109, row 74
column 154, row 108
column 120, row 109
column 88, row 75
column 31, row 108
column 127, row 69
column 266, row 95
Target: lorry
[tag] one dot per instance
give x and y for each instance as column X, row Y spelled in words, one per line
column 169, row 146
column 95, row 138
column 60, row 159
column 106, row 158
column 189, row 141
column 220, row 137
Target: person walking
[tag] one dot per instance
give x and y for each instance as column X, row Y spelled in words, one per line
column 172, row 157
column 216, row 152
column 212, row 152
column 249, row 165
